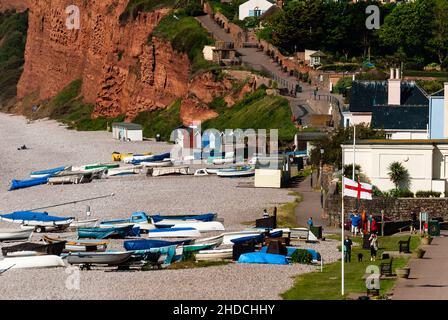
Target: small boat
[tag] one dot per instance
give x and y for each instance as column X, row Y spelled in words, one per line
column 213, row 170
column 235, row 172
column 90, row 223
column 184, row 217
column 70, row 179
column 140, row 219
column 215, row 254
column 14, row 235
column 174, row 233
column 22, row 184
column 45, row 261
column 219, row 239
column 29, row 248
column 125, row 170
column 201, row 172
column 200, row 226
column 110, row 258
column 40, row 220
column 46, row 173
column 101, row 166
column 157, row 164
column 103, row 233
column 84, row 245
column 117, row 156
column 149, row 244
column 147, row 158
column 263, row 258
column 229, row 236
column 164, row 171
column 253, row 238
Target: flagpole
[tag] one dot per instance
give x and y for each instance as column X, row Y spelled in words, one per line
column 342, row 229
column 354, row 146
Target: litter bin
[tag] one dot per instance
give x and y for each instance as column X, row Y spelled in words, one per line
column 433, row 228
column 317, row 231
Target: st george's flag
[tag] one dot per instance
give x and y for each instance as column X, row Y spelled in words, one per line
column 358, row 189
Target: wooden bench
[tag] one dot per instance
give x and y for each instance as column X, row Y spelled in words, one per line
column 386, row 268
column 404, row 245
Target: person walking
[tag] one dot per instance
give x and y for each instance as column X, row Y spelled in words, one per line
column 310, row 222
column 347, row 249
column 355, row 222
column 373, row 246
column 414, row 222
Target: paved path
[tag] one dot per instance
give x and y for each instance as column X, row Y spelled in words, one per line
column 428, row 279
column 310, row 205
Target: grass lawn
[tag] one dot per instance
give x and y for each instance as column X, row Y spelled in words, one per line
column 286, row 214
column 326, row 285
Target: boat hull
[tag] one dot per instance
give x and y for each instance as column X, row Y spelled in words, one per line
column 44, row 261
column 214, row 255
column 102, row 258
column 11, row 235
column 174, row 233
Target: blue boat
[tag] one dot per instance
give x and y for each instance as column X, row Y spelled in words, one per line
column 207, row 217
column 154, row 158
column 263, row 258
column 49, row 172
column 21, row 184
column 150, row 244
column 169, row 251
column 257, row 239
column 31, row 218
column 103, row 233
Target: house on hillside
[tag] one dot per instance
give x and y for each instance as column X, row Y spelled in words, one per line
column 253, row 8
column 438, row 114
column 399, row 107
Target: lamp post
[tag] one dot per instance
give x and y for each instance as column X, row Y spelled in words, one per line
column 321, row 169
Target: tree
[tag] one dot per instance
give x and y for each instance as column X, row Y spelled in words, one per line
column 439, row 42
column 398, row 174
column 332, row 143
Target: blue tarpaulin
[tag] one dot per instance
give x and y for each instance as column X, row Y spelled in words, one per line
column 263, row 258
column 157, row 157
column 33, row 216
column 257, row 239
column 20, row 184
column 49, row 171
column 291, row 250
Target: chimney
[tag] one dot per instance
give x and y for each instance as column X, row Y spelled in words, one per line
column 394, row 87
column 392, row 71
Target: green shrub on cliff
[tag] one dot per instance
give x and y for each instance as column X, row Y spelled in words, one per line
column 13, row 32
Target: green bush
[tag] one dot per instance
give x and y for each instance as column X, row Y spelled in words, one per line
column 428, row 194
column 301, row 256
column 401, row 193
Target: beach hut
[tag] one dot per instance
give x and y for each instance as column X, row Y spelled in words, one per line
column 127, row 131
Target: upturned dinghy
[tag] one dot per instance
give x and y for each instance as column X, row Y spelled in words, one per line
column 125, row 170
column 103, row 233
column 117, row 156
column 70, row 179
column 22, row 184
column 157, row 164
column 16, row 235
column 84, row 245
column 174, row 233
column 214, row 255
column 200, row 226
column 133, row 245
column 32, row 262
column 90, row 223
column 33, row 249
column 153, row 158
column 236, row 172
column 184, row 217
column 229, row 236
column 139, row 219
column 40, row 220
column 110, row 258
column 46, row 173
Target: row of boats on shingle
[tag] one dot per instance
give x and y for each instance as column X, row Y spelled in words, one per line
column 167, row 239
column 153, row 165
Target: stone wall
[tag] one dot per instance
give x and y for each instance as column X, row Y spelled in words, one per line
column 394, row 208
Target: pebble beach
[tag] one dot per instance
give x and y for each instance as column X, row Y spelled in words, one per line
column 51, row 145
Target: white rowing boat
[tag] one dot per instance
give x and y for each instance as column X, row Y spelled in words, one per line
column 13, row 234
column 157, row 164
column 45, row 261
column 84, row 223
column 174, row 233
column 125, row 170
column 200, row 226
column 215, row 254
column 229, row 236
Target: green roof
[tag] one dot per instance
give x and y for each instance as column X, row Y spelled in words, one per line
column 127, row 125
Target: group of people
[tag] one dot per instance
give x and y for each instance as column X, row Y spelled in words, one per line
column 363, row 225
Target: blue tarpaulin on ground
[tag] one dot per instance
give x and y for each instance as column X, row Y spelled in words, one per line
column 291, row 250
column 263, row 258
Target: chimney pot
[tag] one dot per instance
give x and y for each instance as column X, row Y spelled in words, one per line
column 392, row 71
column 397, row 73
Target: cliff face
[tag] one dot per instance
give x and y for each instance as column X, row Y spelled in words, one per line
column 122, row 71
column 18, row 5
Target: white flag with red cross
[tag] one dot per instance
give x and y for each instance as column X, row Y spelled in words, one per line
column 358, row 189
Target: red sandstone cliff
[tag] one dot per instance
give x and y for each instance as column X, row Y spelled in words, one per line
column 121, row 70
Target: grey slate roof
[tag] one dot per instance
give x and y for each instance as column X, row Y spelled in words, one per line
column 400, row 118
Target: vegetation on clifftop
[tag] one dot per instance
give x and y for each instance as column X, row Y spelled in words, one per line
column 13, row 32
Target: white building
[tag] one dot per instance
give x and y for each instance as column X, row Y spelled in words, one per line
column 127, row 131
column 399, row 107
column 426, row 162
column 253, row 8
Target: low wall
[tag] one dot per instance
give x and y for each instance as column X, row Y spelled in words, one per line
column 394, row 208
